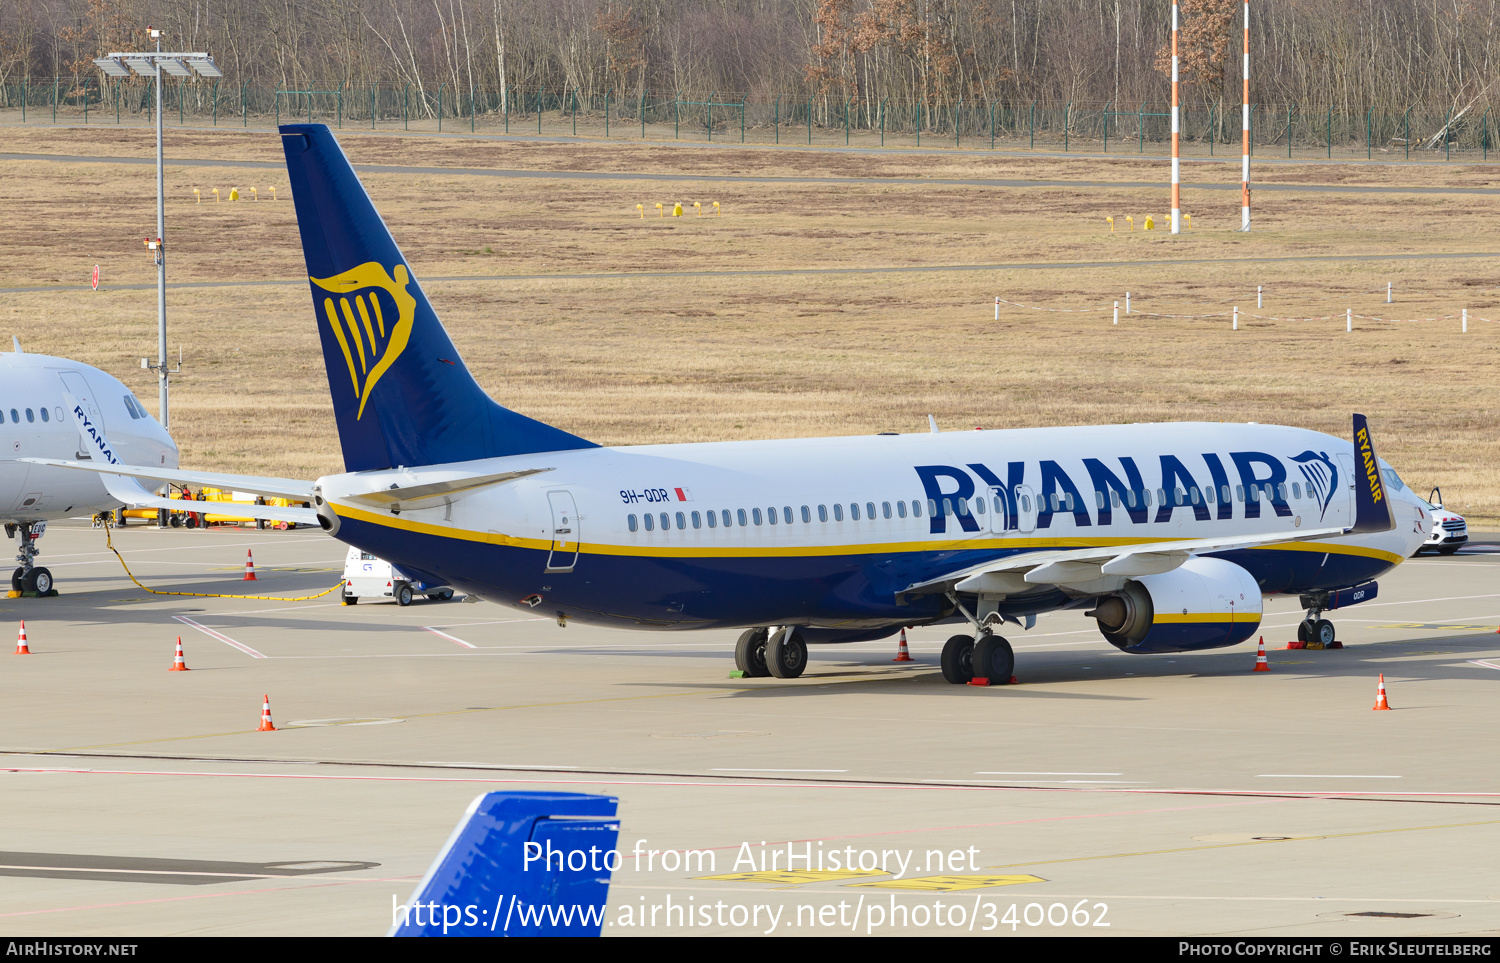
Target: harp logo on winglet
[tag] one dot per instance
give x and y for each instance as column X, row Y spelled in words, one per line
column 371, row 319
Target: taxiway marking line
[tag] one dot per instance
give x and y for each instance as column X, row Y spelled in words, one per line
column 221, row 637
column 450, row 638
column 1029, row 773
column 778, row 770
column 926, row 785
column 1487, row 665
column 1316, row 776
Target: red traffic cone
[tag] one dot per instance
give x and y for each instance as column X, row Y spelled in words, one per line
column 1380, row 703
column 178, row 663
column 903, row 654
column 21, row 648
column 265, row 718
column 249, row 568
column 1261, row 665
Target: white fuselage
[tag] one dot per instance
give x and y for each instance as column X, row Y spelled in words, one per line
column 35, row 423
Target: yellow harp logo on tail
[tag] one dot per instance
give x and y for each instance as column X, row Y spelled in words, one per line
column 372, row 320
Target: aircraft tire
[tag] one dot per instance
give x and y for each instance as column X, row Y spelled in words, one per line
column 441, row 596
column 1305, row 630
column 403, row 594
column 175, row 521
column 750, row 653
column 786, row 653
column 16, row 578
column 994, row 659
column 38, row 580
column 1323, row 632
column 958, row 659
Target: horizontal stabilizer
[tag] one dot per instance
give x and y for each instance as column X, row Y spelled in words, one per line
column 399, row 497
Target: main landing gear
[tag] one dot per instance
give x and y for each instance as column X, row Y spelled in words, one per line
column 777, row 651
column 29, row 579
column 983, row 655
column 1313, row 628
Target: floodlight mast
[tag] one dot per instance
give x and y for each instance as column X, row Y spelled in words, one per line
column 150, row 65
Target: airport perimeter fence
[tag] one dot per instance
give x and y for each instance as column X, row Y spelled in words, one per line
column 1289, row 130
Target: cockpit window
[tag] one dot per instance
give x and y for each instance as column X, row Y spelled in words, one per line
column 1392, row 480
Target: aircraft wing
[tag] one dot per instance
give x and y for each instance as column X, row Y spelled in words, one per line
column 270, row 487
column 129, row 491
column 1075, row 566
column 121, row 480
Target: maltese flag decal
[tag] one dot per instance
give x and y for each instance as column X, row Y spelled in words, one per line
column 684, row 494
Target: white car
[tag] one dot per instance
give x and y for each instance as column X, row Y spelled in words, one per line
column 368, row 577
column 1449, row 530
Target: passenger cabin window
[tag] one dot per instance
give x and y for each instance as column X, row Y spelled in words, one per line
column 854, row 511
column 725, row 516
column 755, row 513
column 885, row 509
column 650, row 524
column 916, row 509
column 15, row 418
column 44, row 415
column 771, row 515
column 29, row 416
column 838, row 512
column 901, row 509
column 822, row 513
column 713, row 519
column 806, row 515
column 786, row 514
column 631, row 522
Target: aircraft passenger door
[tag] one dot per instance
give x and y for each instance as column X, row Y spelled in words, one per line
column 1000, row 506
column 564, row 532
column 79, row 389
column 1027, row 508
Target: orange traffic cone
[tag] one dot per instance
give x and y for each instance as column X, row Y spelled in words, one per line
column 249, row 568
column 903, row 654
column 1261, row 665
column 265, row 718
column 178, row 663
column 1380, row 703
column 21, row 648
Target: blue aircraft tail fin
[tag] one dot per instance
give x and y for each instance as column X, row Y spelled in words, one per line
column 401, row 392
column 1372, row 506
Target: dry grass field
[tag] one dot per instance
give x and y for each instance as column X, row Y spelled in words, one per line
column 727, row 354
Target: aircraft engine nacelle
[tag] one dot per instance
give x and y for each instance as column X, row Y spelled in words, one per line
column 1205, row 603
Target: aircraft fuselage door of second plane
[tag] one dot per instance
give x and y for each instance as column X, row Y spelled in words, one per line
column 564, row 532
column 78, row 388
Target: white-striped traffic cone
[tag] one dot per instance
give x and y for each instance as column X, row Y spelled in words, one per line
column 249, row 568
column 1261, row 665
column 178, row 663
column 21, row 648
column 903, row 654
column 265, row 718
column 1380, row 703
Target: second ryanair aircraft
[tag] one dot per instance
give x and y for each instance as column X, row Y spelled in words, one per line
column 1169, row 535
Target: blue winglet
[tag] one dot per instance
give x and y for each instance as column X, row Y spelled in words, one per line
column 519, row 864
column 401, row 392
column 1372, row 508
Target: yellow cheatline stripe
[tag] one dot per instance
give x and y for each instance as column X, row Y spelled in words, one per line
column 801, row 551
column 1189, row 617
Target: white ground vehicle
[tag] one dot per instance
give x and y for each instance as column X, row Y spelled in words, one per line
column 368, row 577
column 1448, row 530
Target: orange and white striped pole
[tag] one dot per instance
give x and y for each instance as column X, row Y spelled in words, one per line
column 1176, row 135
column 1245, row 133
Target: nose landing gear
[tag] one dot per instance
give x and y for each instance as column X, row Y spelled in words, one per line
column 29, row 579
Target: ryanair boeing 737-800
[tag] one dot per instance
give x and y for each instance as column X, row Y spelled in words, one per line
column 1169, row 535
